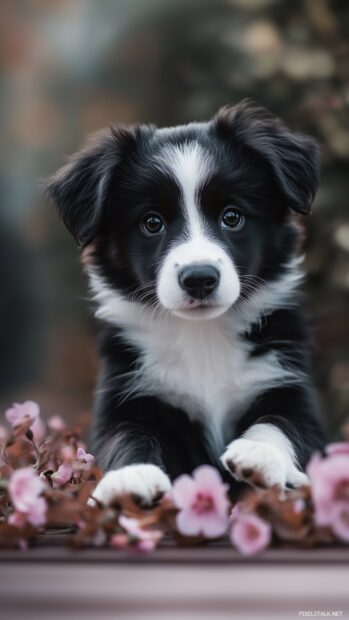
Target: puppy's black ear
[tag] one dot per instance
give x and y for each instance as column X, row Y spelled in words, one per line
column 292, row 157
column 80, row 188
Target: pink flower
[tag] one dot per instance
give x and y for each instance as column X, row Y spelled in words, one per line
column 250, row 534
column 27, row 411
column 37, row 514
column 120, row 541
column 18, row 519
column 62, row 475
column 56, row 423
column 330, row 489
column 338, row 448
column 147, row 545
column 143, row 540
column 38, row 429
column 67, row 453
column 25, row 488
column 83, row 456
column 35, row 518
column 19, row 413
column 203, row 503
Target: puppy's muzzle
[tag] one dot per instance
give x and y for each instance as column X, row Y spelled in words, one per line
column 199, row 281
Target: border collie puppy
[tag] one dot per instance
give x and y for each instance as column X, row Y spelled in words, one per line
column 190, row 240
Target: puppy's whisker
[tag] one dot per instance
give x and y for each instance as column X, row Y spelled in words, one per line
column 147, row 288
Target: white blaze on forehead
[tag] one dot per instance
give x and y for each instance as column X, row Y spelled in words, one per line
column 190, row 165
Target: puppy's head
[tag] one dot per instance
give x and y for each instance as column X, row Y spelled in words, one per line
column 194, row 218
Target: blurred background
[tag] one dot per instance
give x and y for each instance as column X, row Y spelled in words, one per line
column 70, row 67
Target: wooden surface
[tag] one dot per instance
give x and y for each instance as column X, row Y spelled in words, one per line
column 211, row 582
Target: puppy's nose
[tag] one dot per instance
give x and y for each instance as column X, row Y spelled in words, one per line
column 199, row 281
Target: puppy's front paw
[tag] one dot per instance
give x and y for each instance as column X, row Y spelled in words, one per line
column 260, row 464
column 146, row 483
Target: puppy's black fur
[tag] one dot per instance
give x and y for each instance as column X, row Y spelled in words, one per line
column 103, row 194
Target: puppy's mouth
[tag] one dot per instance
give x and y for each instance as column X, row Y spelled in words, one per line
column 199, row 309
column 193, row 304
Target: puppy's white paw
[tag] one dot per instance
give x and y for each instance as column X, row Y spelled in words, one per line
column 146, row 483
column 261, row 464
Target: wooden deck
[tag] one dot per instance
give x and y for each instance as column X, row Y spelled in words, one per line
column 212, row 582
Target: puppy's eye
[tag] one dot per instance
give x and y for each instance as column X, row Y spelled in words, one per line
column 233, row 218
column 152, row 224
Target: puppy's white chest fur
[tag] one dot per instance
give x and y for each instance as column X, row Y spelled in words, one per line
column 204, row 368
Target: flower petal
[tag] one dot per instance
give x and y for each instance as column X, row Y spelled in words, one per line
column 250, row 534
column 183, row 491
column 338, row 448
column 207, row 477
column 84, row 456
column 25, row 487
column 63, row 474
column 131, row 526
column 188, row 522
column 37, row 515
column 214, row 526
column 31, row 408
column 56, row 423
column 39, row 429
